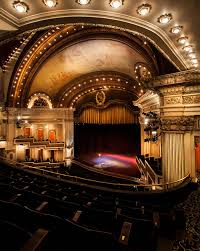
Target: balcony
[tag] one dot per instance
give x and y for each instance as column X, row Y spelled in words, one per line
column 32, row 143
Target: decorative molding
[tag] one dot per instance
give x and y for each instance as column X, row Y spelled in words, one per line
column 106, row 16
column 190, row 76
column 100, row 98
column 173, row 100
column 178, row 124
column 191, row 99
column 147, row 101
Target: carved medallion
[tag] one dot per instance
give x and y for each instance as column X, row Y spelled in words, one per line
column 100, row 98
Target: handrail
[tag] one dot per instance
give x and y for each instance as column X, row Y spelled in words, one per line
column 117, row 186
column 104, row 172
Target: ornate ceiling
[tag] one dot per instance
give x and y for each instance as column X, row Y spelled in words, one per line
column 48, row 50
column 184, row 13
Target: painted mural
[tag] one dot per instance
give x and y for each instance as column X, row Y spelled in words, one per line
column 82, row 58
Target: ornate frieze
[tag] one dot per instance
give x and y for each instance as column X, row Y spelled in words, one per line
column 191, row 99
column 173, row 100
column 190, row 76
column 179, row 124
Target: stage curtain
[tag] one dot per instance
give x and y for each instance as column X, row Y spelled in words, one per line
column 173, row 156
column 117, row 114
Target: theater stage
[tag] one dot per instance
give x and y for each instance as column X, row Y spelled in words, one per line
column 115, row 163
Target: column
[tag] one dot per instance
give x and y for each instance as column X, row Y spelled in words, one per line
column 69, row 136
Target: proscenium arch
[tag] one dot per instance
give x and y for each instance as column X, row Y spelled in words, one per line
column 94, row 81
column 81, row 36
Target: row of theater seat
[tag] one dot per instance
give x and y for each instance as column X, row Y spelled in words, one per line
column 34, row 203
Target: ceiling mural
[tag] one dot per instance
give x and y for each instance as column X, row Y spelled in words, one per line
column 83, row 58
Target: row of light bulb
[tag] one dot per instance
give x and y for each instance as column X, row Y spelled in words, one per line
column 22, row 7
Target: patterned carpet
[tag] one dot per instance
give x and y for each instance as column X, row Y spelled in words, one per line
column 191, row 208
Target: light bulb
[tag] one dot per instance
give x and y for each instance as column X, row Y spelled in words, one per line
column 20, row 7
column 164, row 19
column 50, row 3
column 116, row 3
column 144, row 9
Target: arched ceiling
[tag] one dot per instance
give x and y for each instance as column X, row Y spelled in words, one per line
column 47, row 49
column 83, row 58
column 184, row 13
column 53, row 58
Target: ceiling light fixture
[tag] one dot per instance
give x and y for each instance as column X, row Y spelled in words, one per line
column 164, row 19
column 50, row 3
column 20, row 6
column 144, row 9
column 187, row 48
column 194, row 60
column 191, row 55
column 116, row 3
column 182, row 40
column 176, row 29
column 83, row 2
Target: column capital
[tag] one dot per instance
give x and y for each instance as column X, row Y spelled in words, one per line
column 181, row 123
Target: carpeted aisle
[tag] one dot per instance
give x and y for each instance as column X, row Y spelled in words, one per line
column 191, row 207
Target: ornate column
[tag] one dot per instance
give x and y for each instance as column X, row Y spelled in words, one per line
column 179, row 112
column 178, row 155
column 69, row 136
column 150, row 101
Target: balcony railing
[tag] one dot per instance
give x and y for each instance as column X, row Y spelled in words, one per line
column 32, row 142
column 114, row 187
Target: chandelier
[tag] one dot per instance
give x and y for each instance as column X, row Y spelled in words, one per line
column 50, row 3
column 116, row 3
column 20, row 6
column 144, row 9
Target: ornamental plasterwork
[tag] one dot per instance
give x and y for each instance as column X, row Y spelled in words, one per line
column 178, row 124
column 100, row 98
column 176, row 78
column 151, row 108
column 174, row 90
column 174, row 100
column 191, row 99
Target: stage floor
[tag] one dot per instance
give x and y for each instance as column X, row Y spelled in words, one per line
column 116, row 163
